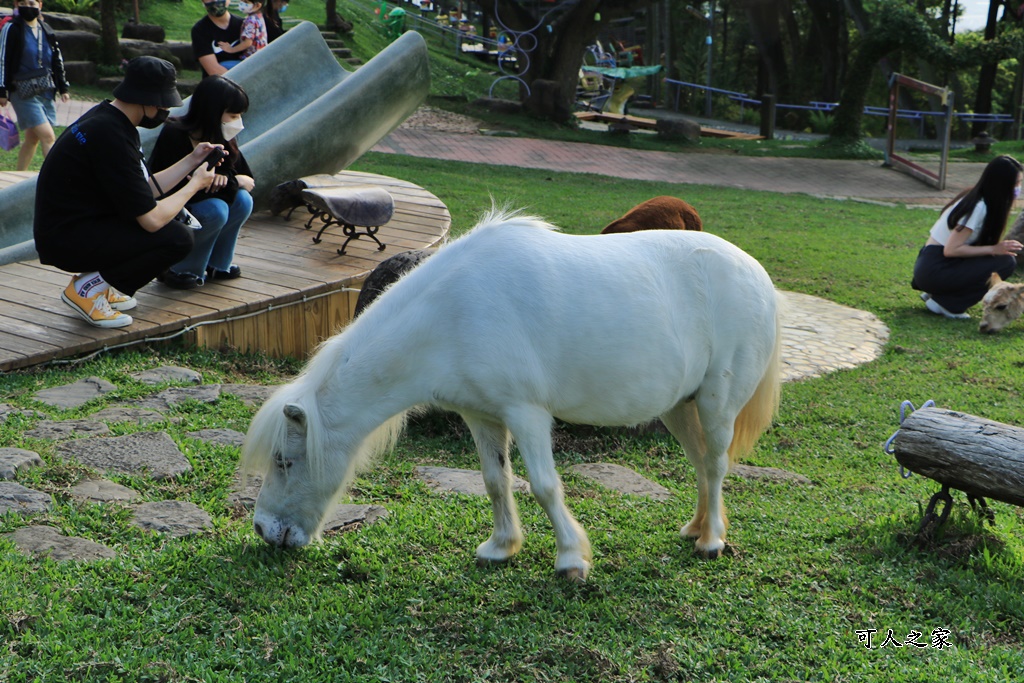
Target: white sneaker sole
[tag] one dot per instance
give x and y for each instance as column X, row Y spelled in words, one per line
column 120, row 320
column 127, row 305
column 934, row 306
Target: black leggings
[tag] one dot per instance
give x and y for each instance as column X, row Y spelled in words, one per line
column 127, row 256
column 956, row 284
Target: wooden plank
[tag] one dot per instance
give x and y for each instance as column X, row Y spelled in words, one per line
column 292, row 295
column 719, row 133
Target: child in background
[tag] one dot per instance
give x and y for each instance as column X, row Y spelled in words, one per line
column 254, row 31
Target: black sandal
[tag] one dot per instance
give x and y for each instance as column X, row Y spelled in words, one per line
column 232, row 273
column 180, row 280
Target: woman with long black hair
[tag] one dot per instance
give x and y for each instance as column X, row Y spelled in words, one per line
column 966, row 244
column 215, row 116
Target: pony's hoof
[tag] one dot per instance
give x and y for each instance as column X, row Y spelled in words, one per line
column 573, row 574
column 712, row 553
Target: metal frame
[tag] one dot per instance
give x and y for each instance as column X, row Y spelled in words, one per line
column 937, row 180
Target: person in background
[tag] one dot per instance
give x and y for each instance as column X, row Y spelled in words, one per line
column 966, row 244
column 214, row 116
column 272, row 15
column 97, row 211
column 254, row 31
column 31, row 77
column 218, row 26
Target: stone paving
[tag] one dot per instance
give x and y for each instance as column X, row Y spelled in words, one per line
column 153, row 454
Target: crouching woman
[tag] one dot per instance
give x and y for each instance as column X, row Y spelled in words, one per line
column 214, row 116
column 966, row 244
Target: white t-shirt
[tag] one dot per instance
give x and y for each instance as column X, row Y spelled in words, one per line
column 940, row 231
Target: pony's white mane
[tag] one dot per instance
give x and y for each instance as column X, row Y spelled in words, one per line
column 268, row 432
column 501, row 216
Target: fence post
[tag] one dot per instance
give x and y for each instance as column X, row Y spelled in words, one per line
column 768, row 116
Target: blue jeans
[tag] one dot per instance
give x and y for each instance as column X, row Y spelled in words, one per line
column 215, row 241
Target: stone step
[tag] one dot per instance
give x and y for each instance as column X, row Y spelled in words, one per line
column 80, row 73
column 354, row 61
column 341, row 52
column 333, row 42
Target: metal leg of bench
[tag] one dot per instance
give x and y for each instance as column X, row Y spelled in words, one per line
column 351, row 233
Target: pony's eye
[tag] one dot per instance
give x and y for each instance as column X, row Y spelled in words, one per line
column 1001, row 307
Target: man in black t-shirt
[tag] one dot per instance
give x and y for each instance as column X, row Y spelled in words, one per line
column 98, row 210
column 216, row 27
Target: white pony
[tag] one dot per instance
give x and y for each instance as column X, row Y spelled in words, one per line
column 513, row 325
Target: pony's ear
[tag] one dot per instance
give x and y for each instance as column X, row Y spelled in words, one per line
column 295, row 413
column 994, row 280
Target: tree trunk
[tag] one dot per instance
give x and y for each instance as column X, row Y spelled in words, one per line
column 823, row 50
column 764, row 19
column 987, row 75
column 561, row 38
column 968, row 453
column 110, row 45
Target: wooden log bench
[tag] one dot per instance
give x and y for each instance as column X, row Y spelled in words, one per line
column 982, row 458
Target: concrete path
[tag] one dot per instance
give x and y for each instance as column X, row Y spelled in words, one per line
column 821, row 177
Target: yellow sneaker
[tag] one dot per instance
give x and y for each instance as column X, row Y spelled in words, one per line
column 95, row 310
column 119, row 301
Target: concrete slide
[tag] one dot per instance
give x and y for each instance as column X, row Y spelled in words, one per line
column 307, row 115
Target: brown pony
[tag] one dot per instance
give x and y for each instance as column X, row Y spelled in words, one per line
column 660, row 213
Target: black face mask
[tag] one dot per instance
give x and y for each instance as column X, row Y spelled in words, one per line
column 28, row 13
column 154, row 121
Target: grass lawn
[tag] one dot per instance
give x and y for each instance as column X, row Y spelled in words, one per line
column 810, row 565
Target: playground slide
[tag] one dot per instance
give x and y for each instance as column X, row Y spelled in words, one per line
column 307, row 115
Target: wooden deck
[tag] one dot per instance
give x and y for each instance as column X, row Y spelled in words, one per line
column 292, row 294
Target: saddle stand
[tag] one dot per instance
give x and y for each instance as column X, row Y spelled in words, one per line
column 359, row 210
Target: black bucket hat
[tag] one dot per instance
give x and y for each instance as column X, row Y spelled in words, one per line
column 149, row 81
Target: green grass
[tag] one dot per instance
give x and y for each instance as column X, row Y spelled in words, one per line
column 403, row 600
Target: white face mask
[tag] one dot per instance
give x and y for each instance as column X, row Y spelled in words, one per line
column 229, row 129
column 244, row 7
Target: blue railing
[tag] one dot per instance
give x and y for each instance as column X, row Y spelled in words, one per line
column 906, row 114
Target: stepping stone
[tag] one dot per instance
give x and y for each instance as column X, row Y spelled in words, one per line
column 17, row 498
column 222, row 437
column 173, row 517
column 768, row 473
column 621, row 479
column 75, row 395
column 14, row 460
column 244, row 493
column 346, row 515
column 135, row 415
column 448, row 480
column 250, row 394
column 168, row 373
column 152, row 453
column 7, row 410
column 168, row 398
column 820, row 336
column 49, row 429
column 45, row 541
column 102, row 491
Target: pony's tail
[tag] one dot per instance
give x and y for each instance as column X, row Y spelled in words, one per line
column 760, row 410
